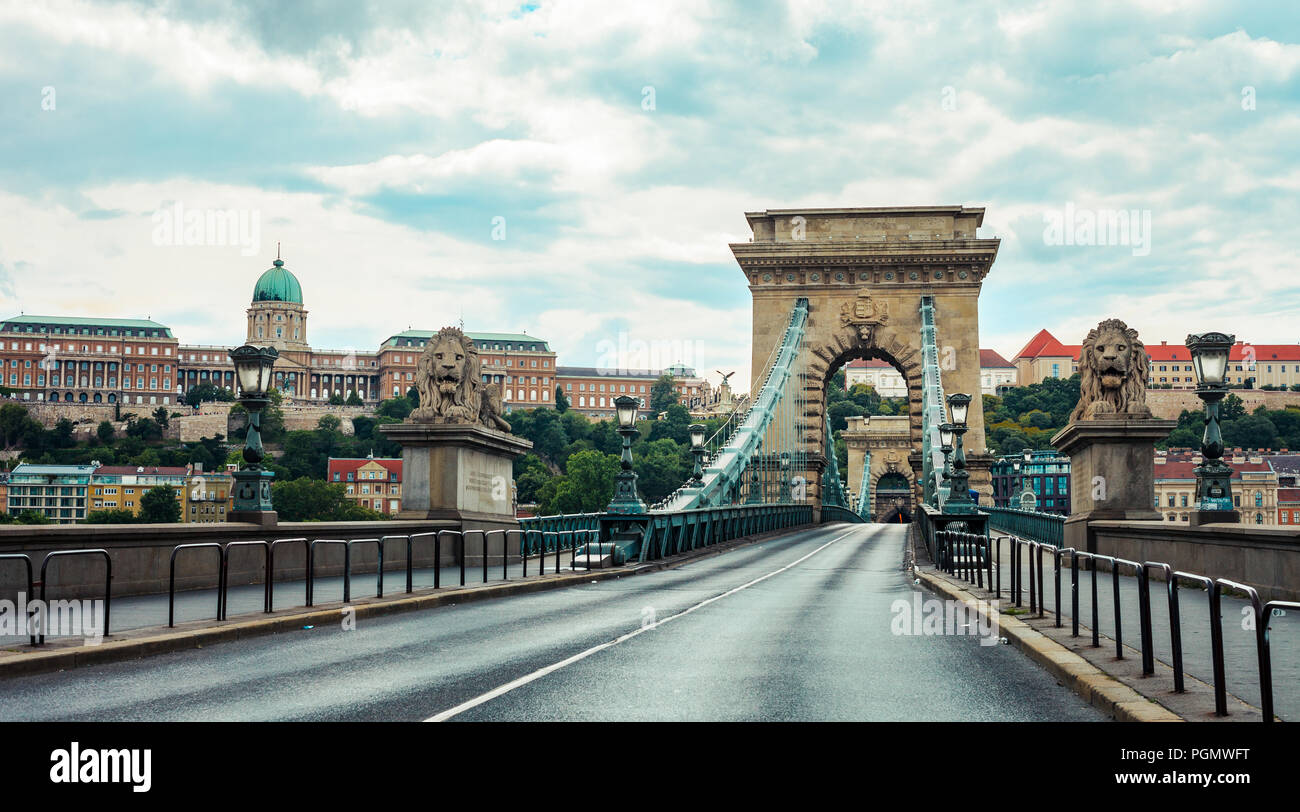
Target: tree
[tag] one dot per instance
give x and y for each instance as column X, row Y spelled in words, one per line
column 413, row 395
column 34, row 517
column 105, row 432
column 159, row 506
column 146, row 429
column 314, row 500
column 335, row 399
column 662, row 394
column 112, row 516
column 586, row 487
column 162, row 417
column 561, row 400
column 1232, row 408
column 329, row 422
column 354, row 399
column 395, row 407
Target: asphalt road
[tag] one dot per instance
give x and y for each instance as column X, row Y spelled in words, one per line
column 794, row 628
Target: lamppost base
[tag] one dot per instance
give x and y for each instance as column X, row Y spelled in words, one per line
column 1200, row 517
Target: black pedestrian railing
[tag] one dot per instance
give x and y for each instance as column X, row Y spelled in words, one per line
column 108, row 586
column 552, row 543
column 972, row 557
column 28, row 594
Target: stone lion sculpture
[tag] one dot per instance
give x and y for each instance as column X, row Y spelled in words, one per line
column 1113, row 368
column 449, row 380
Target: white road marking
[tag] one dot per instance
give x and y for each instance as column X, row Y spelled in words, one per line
column 541, row 672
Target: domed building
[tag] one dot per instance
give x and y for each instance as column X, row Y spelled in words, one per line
column 276, row 318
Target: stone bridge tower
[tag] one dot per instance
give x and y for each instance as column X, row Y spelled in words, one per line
column 864, row 271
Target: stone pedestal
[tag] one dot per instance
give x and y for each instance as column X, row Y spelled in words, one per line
column 1112, row 471
column 458, row 474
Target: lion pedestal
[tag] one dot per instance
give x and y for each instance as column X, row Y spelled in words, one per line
column 1112, row 471
column 1111, row 437
column 457, row 452
column 462, row 473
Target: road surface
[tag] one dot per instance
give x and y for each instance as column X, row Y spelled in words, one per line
column 798, row 627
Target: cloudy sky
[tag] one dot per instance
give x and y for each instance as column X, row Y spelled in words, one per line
column 575, row 170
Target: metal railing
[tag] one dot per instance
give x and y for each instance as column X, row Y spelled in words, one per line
column 835, row 513
column 665, row 534
column 1048, row 528
column 957, row 553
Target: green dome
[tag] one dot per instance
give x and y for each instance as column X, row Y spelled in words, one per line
column 277, row 285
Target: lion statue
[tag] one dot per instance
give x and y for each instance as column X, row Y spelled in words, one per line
column 1113, row 367
column 449, row 381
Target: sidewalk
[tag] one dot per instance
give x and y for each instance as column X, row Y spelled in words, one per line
column 144, row 611
column 1241, row 664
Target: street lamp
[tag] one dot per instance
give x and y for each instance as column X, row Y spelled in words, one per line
column 696, row 432
column 252, row 496
column 786, row 496
column 1213, row 475
column 959, row 482
column 625, row 497
column 946, row 435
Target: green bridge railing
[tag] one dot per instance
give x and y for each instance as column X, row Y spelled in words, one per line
column 1047, row 528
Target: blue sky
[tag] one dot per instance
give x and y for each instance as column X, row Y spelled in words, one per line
column 381, row 142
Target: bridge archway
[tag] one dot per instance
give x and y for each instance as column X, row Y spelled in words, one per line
column 864, row 272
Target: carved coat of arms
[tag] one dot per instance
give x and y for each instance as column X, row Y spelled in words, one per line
column 864, row 315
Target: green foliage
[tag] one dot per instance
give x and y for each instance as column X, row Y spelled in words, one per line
column 160, row 506
column 162, row 416
column 397, row 408
column 314, row 500
column 354, row 399
column 1265, row 428
column 662, row 394
column 335, row 399
column 329, row 422
column 586, row 487
column 105, row 432
column 112, row 516
column 1029, row 416
column 561, row 400
column 206, row 392
column 33, row 517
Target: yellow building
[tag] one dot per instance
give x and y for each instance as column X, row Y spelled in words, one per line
column 1254, row 485
column 207, row 497
column 121, row 487
column 370, row 482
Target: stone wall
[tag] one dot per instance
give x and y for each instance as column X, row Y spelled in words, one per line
column 141, row 554
column 1265, row 558
column 1167, row 404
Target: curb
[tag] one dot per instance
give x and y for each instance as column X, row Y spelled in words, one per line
column 39, row 662
column 1093, row 685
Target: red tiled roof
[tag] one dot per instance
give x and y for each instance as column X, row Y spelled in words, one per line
column 1044, row 344
column 1288, row 495
column 345, row 466
column 991, row 358
column 1186, row 469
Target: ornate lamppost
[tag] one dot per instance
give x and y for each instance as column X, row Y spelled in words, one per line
column 252, row 496
column 959, row 500
column 946, row 435
column 1213, row 475
column 625, row 496
column 786, row 496
column 1028, row 500
column 696, row 432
